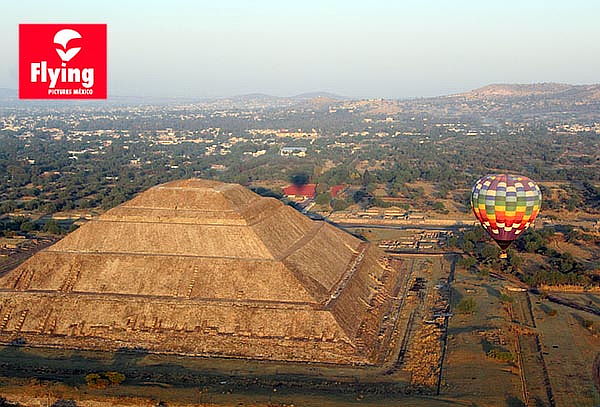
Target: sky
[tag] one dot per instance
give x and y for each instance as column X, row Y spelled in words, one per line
column 362, row 49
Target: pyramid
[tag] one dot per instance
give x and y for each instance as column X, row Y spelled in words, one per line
column 204, row 268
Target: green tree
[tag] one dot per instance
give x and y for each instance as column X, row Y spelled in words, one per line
column 339, row 204
column 323, row 199
column 366, row 178
column 467, row 262
column 115, row 378
column 468, row 246
column 27, row 226
column 53, row 227
column 439, row 207
column 490, row 252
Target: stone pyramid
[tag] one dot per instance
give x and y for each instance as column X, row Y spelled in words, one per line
column 201, row 268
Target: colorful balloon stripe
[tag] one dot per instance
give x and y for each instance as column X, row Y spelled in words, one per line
column 505, row 204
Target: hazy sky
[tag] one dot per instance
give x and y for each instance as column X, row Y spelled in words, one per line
column 364, row 48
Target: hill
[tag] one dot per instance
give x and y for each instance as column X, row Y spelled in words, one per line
column 539, row 90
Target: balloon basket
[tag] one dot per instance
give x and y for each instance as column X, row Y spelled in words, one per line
column 503, row 255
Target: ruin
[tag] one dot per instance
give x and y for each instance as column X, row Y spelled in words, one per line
column 204, row 268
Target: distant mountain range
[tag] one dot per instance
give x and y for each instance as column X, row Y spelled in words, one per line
column 264, row 99
column 542, row 90
column 557, row 92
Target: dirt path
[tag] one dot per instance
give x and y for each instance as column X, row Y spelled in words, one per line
column 596, row 372
column 534, row 372
column 446, row 322
column 571, row 304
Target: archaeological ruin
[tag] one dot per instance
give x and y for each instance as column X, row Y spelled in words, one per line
column 204, row 268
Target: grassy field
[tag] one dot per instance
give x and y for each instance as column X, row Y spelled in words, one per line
column 469, row 372
column 569, row 350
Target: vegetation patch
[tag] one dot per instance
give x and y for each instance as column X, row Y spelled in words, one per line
column 466, row 306
column 501, row 355
column 103, row 380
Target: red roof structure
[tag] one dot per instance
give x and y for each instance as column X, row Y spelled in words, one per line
column 336, row 189
column 306, row 190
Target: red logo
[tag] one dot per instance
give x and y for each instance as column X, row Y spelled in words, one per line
column 62, row 61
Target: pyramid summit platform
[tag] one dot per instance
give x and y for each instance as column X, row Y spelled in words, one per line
column 204, row 268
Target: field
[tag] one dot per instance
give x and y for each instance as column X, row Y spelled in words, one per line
column 569, row 350
column 553, row 347
column 468, row 371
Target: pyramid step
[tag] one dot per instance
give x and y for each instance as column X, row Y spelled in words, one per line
column 192, row 282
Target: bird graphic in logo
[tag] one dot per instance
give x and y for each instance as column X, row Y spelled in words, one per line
column 62, row 38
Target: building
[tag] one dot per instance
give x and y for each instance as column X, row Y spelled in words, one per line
column 300, row 192
column 203, row 268
column 295, row 151
column 335, row 190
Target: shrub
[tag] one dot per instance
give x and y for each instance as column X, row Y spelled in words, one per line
column 104, row 379
column 115, row 378
column 466, row 306
column 323, row 199
column 96, row 381
column 501, row 355
column 339, row 204
column 53, row 227
column 467, row 262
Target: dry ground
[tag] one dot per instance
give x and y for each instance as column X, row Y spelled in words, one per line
column 469, row 372
column 569, row 350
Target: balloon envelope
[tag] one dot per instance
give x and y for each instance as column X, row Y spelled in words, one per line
column 506, row 205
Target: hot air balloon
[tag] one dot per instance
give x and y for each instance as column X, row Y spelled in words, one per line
column 506, row 205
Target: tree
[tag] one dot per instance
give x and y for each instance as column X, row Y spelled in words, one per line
column 439, row 207
column 468, row 246
column 339, row 204
column 467, row 262
column 53, row 227
column 323, row 199
column 102, row 380
column 490, row 252
column 501, row 355
column 452, row 241
column 115, row 377
column 49, row 208
column 27, row 226
column 514, row 260
column 366, row 178
column 363, row 198
column 8, row 207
